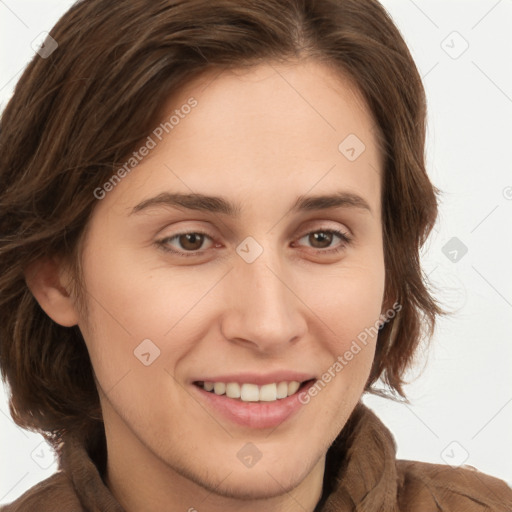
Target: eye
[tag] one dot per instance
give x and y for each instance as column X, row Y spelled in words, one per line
column 190, row 241
column 322, row 239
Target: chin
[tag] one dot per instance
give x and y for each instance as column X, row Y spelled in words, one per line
column 245, row 485
column 262, row 481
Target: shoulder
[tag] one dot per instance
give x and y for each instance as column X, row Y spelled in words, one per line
column 426, row 486
column 54, row 493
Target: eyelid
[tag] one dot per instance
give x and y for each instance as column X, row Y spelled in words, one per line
column 324, row 225
column 343, row 233
column 162, row 245
column 345, row 238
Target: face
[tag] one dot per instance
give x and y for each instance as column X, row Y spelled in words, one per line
column 265, row 285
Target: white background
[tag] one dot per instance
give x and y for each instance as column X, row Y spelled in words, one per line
column 461, row 403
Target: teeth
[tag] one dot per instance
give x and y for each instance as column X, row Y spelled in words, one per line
column 219, row 388
column 282, row 390
column 268, row 393
column 249, row 393
column 252, row 392
column 292, row 387
column 233, row 390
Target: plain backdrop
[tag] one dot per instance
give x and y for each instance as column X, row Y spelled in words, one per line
column 461, row 396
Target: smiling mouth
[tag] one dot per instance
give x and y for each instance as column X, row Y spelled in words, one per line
column 248, row 392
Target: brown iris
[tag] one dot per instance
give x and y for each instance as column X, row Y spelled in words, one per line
column 191, row 241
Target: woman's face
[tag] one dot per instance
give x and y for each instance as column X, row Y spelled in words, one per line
column 263, row 285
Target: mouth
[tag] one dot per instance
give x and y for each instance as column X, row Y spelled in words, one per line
column 248, row 392
column 251, row 405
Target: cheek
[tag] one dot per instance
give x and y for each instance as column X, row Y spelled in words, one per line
column 348, row 302
column 139, row 295
column 132, row 299
column 349, row 305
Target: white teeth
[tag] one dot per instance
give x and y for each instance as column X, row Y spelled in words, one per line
column 219, row 388
column 249, row 393
column 282, row 390
column 268, row 393
column 252, row 392
column 233, row 390
column 292, row 387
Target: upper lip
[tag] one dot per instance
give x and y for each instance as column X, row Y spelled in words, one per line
column 259, row 379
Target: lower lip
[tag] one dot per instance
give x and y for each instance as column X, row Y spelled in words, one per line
column 254, row 414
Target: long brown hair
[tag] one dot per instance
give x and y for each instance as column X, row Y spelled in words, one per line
column 77, row 113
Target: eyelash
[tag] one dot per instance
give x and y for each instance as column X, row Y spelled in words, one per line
column 345, row 240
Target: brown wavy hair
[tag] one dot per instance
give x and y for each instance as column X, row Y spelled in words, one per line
column 76, row 114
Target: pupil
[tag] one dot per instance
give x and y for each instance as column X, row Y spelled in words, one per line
column 322, row 235
column 189, row 241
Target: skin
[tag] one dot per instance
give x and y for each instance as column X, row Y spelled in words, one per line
column 259, row 137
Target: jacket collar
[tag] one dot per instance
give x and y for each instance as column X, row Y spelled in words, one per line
column 360, row 472
column 88, row 484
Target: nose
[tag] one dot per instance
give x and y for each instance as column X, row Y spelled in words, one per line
column 264, row 310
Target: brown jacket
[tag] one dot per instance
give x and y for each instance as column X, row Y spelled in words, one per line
column 361, row 475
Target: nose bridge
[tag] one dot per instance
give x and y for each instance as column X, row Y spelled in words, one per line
column 265, row 287
column 265, row 311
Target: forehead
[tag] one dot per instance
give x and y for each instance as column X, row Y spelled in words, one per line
column 271, row 128
column 280, row 104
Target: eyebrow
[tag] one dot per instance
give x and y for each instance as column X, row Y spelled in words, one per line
column 217, row 204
